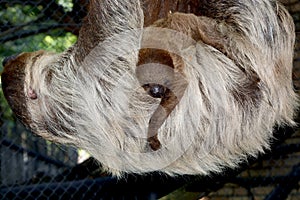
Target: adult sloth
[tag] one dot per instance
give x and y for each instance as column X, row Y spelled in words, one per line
column 187, row 94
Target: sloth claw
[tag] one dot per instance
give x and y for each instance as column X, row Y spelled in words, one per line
column 154, row 143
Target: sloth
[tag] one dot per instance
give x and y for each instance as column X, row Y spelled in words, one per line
column 176, row 87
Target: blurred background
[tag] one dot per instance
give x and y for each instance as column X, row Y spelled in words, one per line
column 33, row 168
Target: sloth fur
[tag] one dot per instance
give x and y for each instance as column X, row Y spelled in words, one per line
column 227, row 68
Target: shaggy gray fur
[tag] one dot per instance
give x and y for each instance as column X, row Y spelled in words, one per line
column 231, row 75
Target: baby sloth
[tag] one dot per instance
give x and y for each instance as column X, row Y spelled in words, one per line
column 188, row 92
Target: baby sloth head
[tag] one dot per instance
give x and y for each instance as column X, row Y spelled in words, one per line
column 186, row 95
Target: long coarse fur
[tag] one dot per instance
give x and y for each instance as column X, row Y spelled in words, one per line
column 236, row 63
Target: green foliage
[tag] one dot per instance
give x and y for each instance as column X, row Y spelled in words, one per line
column 67, row 4
column 57, row 43
column 19, row 14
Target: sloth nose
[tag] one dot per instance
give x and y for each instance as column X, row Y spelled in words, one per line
column 9, row 58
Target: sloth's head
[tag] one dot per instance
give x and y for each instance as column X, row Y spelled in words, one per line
column 23, row 79
column 18, row 83
column 13, row 78
column 187, row 95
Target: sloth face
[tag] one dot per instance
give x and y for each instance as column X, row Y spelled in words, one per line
column 13, row 83
column 21, row 87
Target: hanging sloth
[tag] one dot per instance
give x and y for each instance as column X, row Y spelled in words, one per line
column 145, row 89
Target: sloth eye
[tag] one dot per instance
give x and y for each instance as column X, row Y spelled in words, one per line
column 155, row 90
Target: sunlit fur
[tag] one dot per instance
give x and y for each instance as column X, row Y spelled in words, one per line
column 237, row 62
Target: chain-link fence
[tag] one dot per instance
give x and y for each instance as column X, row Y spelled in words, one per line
column 32, row 168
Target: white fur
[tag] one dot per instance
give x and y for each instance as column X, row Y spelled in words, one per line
column 105, row 110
